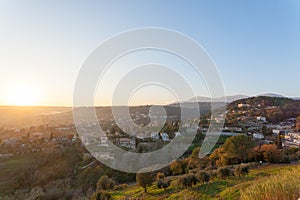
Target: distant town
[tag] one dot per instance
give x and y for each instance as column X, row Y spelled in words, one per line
column 45, row 146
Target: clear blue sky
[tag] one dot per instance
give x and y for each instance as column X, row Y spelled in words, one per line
column 255, row 44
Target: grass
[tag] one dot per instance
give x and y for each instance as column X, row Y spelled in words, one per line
column 283, row 185
column 9, row 168
column 231, row 188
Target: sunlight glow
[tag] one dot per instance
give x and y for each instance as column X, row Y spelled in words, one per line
column 22, row 95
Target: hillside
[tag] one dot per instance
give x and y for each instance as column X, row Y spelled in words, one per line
column 230, row 188
column 275, row 109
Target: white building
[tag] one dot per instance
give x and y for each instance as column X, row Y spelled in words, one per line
column 103, row 141
column 177, row 134
column 258, row 136
column 261, row 118
column 154, row 136
column 243, row 105
column 127, row 142
column 165, row 136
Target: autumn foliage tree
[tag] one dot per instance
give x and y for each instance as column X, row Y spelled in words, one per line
column 238, row 147
column 219, row 157
column 271, row 153
column 194, row 161
column 178, row 167
column 298, row 124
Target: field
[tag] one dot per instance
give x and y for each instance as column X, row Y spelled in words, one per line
column 10, row 167
column 230, row 188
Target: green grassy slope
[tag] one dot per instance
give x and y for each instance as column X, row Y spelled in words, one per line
column 230, row 188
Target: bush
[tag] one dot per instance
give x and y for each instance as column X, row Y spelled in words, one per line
column 163, row 184
column 224, row 172
column 160, row 176
column 213, row 174
column 203, row 177
column 178, row 167
column 271, row 153
column 105, row 183
column 241, row 170
column 188, row 180
column 252, row 165
column 101, row 195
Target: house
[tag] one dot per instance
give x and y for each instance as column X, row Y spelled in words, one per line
column 233, row 129
column 165, row 136
column 154, row 136
column 75, row 138
column 261, row 118
column 258, row 136
column 177, row 134
column 277, row 131
column 243, row 105
column 127, row 142
column 221, row 133
column 11, row 141
column 103, row 141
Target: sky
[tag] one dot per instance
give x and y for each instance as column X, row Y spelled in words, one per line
column 43, row 45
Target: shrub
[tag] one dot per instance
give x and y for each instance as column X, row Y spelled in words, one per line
column 160, row 176
column 224, row 172
column 178, row 167
column 271, row 153
column 188, row 180
column 105, row 183
column 203, row 177
column 163, row 184
column 213, row 174
column 241, row 170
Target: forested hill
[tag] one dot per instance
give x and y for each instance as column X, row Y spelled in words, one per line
column 276, row 109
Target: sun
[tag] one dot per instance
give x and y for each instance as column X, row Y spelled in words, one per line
column 22, row 95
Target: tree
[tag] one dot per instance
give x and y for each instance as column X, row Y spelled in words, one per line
column 271, row 153
column 194, row 161
column 279, row 142
column 255, row 154
column 145, row 179
column 238, row 147
column 188, row 180
column 178, row 167
column 298, row 124
column 219, row 157
column 264, row 130
column 105, row 183
column 224, row 172
column 163, row 184
column 241, row 170
column 89, row 177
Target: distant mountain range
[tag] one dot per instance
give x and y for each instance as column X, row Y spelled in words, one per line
column 232, row 98
column 220, row 99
